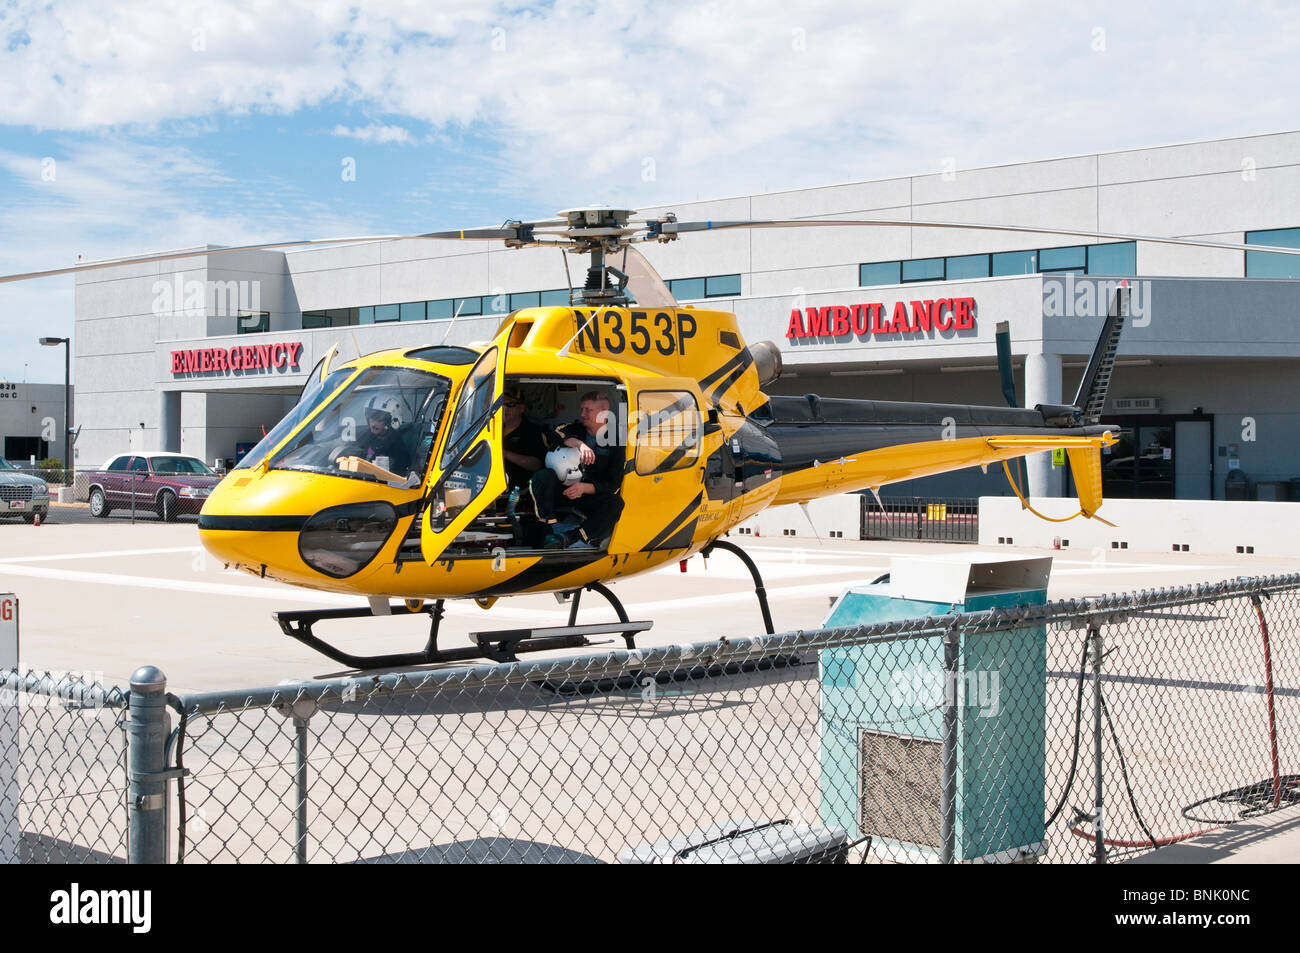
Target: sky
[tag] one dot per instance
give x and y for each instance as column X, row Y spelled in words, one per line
column 130, row 128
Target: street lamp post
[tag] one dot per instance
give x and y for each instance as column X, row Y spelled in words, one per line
column 67, row 404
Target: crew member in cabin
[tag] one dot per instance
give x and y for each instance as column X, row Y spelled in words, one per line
column 594, row 495
column 522, row 443
column 381, row 443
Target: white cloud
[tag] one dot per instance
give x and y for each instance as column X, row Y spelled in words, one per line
column 375, row 132
column 579, row 100
column 725, row 97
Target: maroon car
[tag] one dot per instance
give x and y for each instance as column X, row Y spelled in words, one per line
column 166, row 483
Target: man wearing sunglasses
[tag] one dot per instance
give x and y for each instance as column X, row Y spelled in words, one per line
column 522, row 442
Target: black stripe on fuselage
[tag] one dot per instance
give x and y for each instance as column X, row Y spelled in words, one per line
column 550, row 567
column 253, row 524
column 672, row 525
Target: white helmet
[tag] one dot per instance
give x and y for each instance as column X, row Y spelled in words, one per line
column 566, row 462
column 386, row 405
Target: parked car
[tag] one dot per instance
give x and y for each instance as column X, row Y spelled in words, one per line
column 166, row 483
column 21, row 494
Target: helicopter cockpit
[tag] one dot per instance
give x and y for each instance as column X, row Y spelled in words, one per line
column 381, row 427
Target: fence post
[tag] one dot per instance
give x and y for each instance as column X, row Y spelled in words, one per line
column 948, row 795
column 299, row 711
column 148, row 726
column 1095, row 650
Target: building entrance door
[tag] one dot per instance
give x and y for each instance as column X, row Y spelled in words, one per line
column 1159, row 458
column 1193, row 463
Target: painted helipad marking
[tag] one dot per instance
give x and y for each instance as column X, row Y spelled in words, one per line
column 102, row 554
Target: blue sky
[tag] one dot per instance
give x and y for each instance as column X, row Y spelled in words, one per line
column 149, row 126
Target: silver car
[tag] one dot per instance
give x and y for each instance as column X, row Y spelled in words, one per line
column 22, row 495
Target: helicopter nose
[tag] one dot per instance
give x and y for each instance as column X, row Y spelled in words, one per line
column 274, row 525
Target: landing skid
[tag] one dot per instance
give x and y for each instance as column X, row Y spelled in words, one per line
column 499, row 645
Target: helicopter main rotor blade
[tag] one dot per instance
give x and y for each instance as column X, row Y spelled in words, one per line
column 199, row 253
column 500, row 234
column 669, row 228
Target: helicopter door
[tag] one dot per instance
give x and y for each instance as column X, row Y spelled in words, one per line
column 663, row 488
column 469, row 473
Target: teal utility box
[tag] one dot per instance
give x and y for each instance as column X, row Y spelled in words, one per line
column 882, row 711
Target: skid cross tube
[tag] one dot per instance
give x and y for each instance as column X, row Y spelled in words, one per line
column 500, row 645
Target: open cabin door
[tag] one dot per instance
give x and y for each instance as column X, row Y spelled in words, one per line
column 663, row 487
column 468, row 472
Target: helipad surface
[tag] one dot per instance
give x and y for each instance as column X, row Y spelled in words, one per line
column 106, row 596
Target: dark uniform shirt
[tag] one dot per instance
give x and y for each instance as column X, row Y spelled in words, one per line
column 525, row 440
column 606, row 473
column 387, row 444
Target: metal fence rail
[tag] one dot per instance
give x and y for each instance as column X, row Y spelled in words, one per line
column 1080, row 731
column 946, row 519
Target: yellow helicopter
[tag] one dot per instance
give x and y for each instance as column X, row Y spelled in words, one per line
column 392, row 479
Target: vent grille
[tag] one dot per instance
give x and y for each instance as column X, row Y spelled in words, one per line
column 899, row 789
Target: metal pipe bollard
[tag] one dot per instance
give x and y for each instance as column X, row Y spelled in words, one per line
column 148, row 726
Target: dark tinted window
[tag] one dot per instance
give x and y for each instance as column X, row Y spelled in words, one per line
column 1014, row 263
column 139, row 465
column 722, row 286
column 1062, row 259
column 967, row 266
column 1119, row 258
column 1270, row 264
column 119, row 464
column 923, row 269
column 880, row 273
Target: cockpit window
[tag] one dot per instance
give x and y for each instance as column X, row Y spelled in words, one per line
column 473, row 407
column 313, row 394
column 384, row 421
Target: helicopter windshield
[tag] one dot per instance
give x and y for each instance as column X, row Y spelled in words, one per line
column 313, row 394
column 388, row 416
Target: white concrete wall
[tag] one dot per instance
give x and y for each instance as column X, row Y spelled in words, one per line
column 1154, row 526
column 834, row 514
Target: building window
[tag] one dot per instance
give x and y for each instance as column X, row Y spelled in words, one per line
column 923, row 269
column 411, row 311
column 467, row 306
column 687, row 289
column 440, row 310
column 1014, row 263
column 1073, row 259
column 1262, row 264
column 1119, row 258
column 526, row 299
column 880, row 273
column 315, row 319
column 555, row 299
column 967, row 266
column 386, row 312
column 722, row 286
column 366, row 315
column 253, row 322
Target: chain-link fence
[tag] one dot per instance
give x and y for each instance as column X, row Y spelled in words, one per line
column 1072, row 732
column 62, row 770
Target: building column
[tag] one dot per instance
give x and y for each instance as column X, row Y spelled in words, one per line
column 1043, row 386
column 169, row 421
